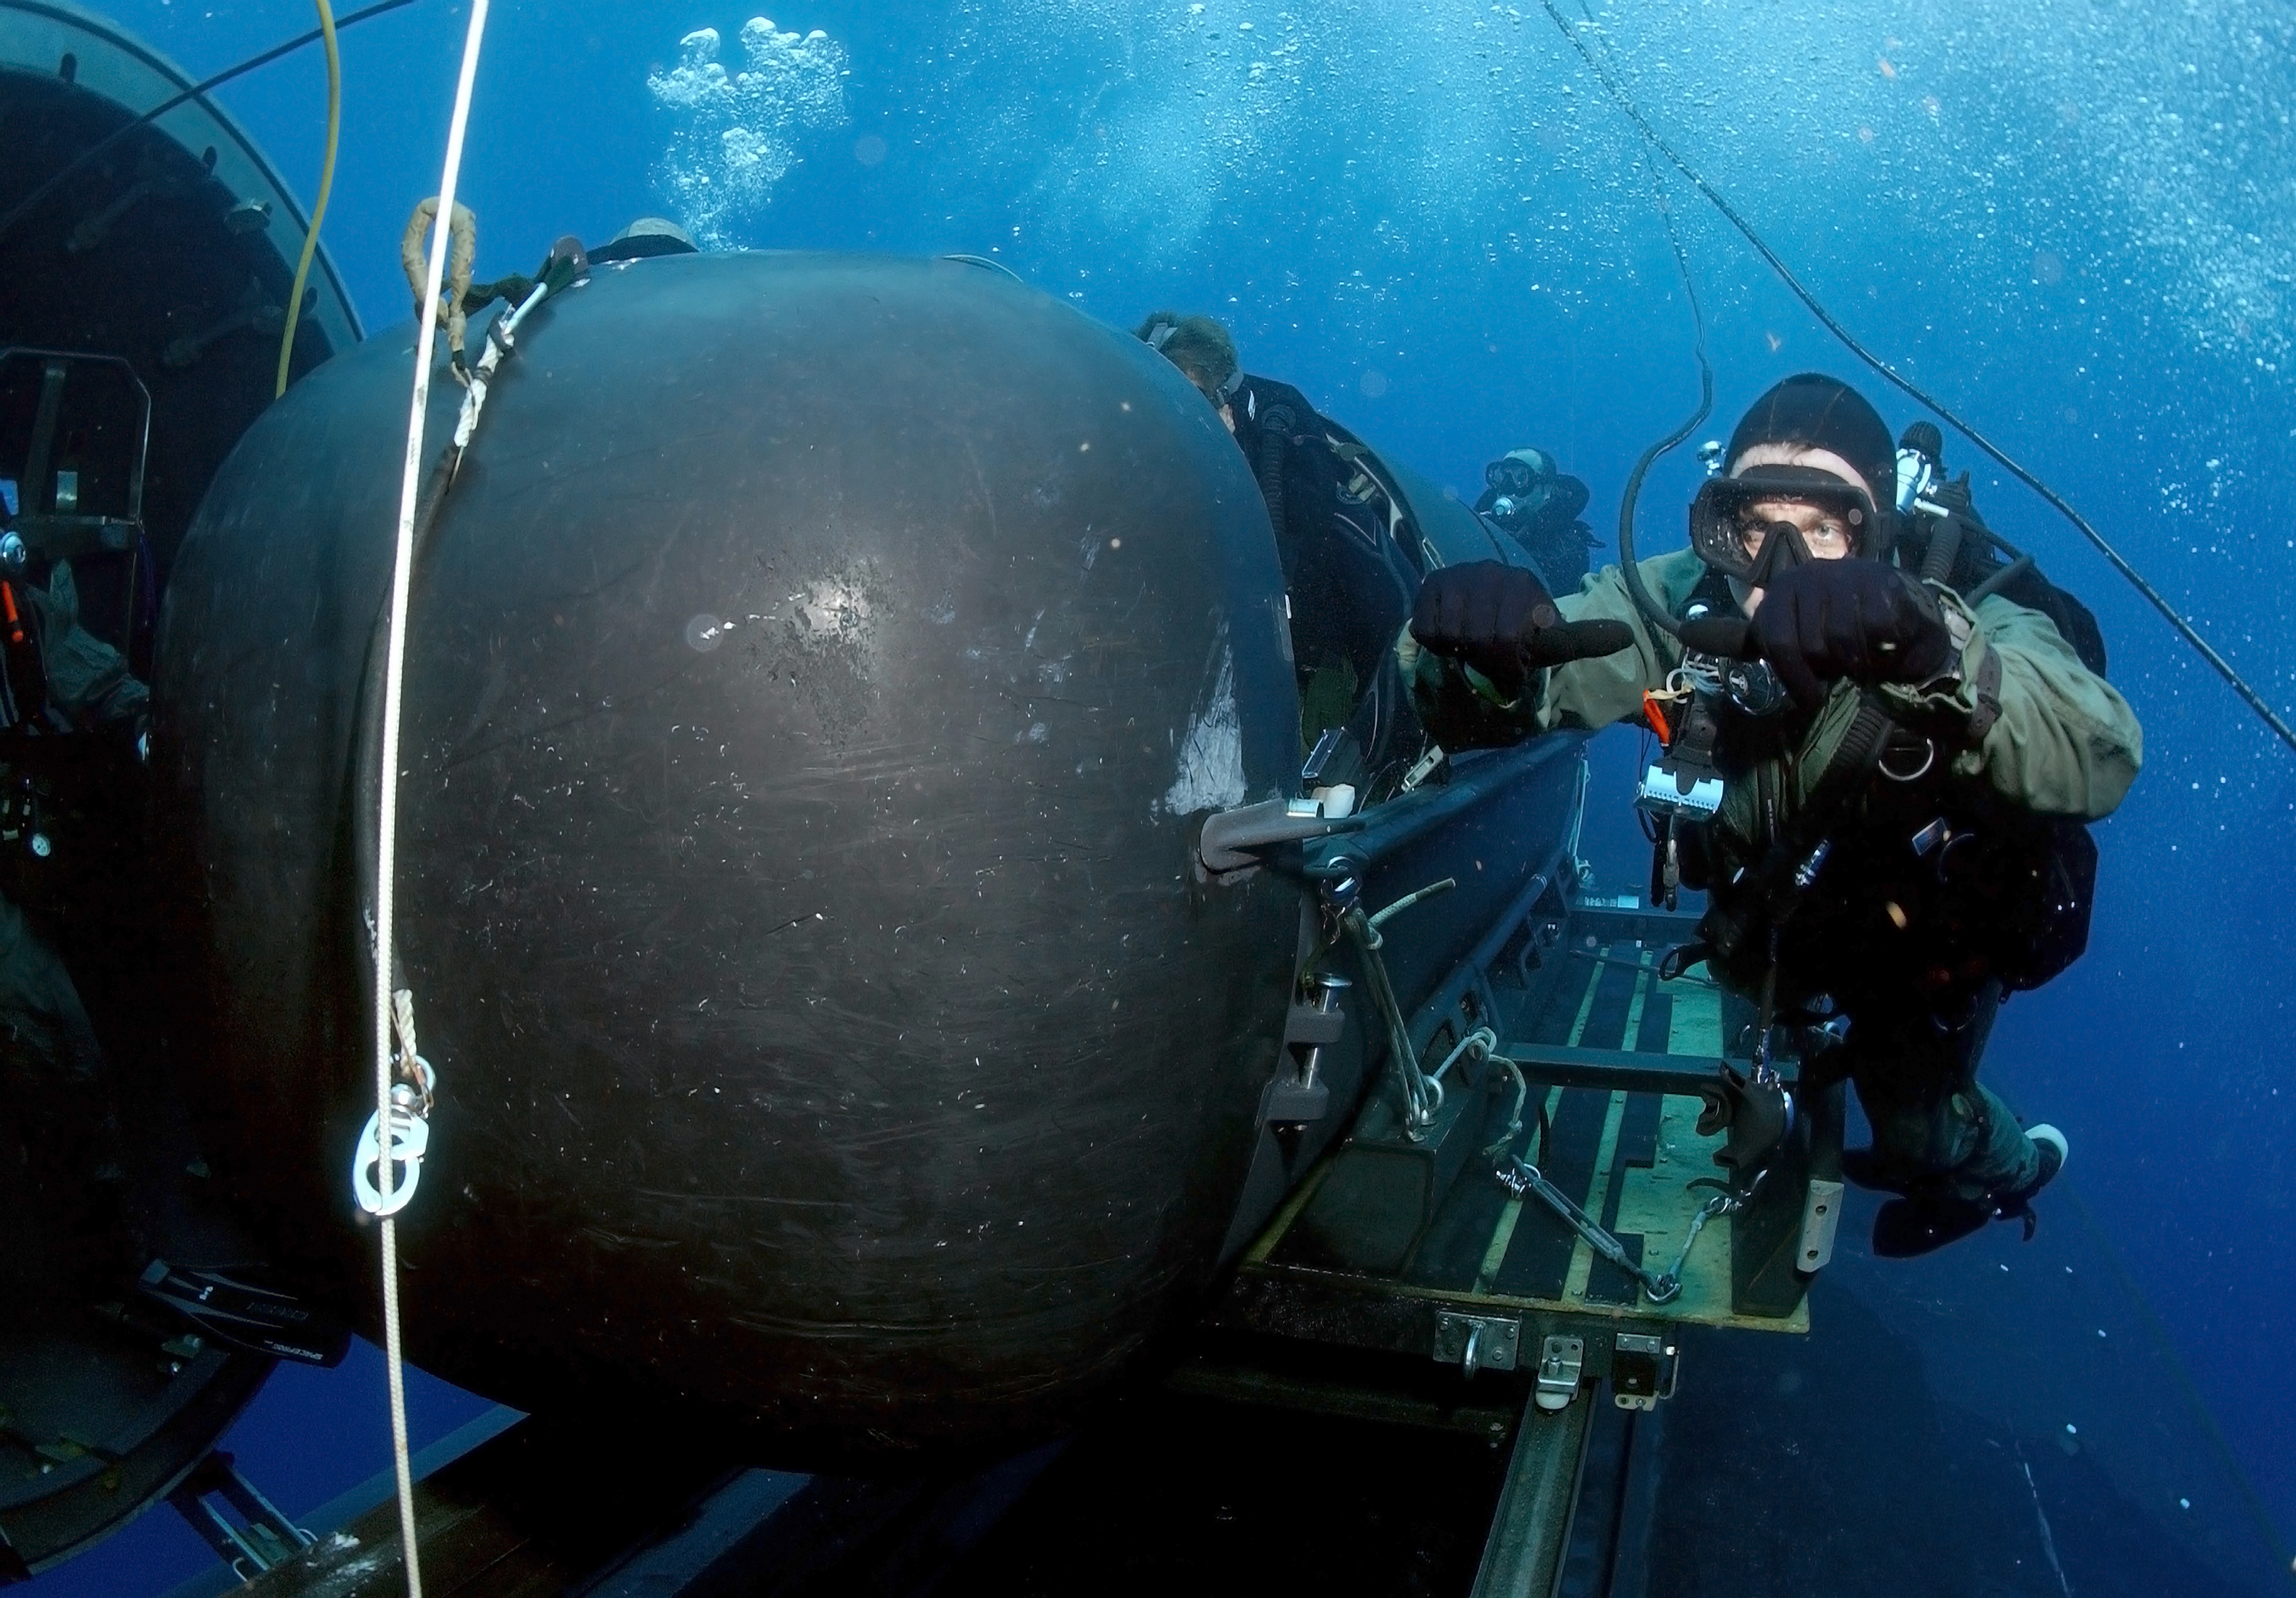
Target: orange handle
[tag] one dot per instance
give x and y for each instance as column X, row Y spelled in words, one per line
column 1654, row 712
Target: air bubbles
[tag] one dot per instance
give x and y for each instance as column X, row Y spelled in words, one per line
column 738, row 132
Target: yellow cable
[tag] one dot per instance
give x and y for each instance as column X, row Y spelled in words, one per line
column 326, row 186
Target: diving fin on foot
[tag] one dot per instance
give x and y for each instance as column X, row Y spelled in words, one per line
column 1906, row 1228
column 248, row 1307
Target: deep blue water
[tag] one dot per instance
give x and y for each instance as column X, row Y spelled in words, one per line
column 2075, row 222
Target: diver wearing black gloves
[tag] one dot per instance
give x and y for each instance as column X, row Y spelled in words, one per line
column 1878, row 783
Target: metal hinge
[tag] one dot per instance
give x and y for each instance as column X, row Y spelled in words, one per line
column 1298, row 1095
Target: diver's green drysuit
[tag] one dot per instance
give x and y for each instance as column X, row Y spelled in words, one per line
column 2062, row 742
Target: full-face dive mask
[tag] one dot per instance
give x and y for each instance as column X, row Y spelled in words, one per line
column 1721, row 520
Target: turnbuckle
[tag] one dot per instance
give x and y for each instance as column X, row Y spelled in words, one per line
column 1523, row 1179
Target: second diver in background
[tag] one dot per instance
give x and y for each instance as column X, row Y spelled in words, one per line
column 1537, row 504
column 1880, row 783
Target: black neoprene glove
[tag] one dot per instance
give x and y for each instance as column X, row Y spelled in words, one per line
column 1501, row 620
column 1854, row 618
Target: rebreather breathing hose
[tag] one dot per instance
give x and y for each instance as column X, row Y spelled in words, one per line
column 1629, row 568
column 326, row 187
column 2185, row 629
column 387, row 827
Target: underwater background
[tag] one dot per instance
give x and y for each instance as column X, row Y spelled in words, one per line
column 2075, row 221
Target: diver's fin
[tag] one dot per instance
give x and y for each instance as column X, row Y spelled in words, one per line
column 1905, row 1228
column 248, row 1307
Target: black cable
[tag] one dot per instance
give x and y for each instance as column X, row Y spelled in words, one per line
column 1628, row 567
column 196, row 91
column 2185, row 629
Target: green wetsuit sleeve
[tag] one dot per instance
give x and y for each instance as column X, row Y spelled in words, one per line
column 2064, row 743
column 1603, row 689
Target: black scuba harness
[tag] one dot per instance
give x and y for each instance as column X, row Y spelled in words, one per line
column 1937, row 886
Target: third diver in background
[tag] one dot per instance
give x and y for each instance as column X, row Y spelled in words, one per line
column 1879, row 783
column 1537, row 506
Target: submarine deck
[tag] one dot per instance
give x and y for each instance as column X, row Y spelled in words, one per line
column 1630, row 1154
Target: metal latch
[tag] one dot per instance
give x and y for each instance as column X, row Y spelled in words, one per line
column 1559, row 1361
column 1297, row 1095
column 1475, row 1342
column 1642, row 1370
column 1821, row 1214
column 1423, row 768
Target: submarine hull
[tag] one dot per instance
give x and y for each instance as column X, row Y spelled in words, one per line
column 817, row 672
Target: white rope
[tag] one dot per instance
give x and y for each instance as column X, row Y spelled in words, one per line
column 386, row 852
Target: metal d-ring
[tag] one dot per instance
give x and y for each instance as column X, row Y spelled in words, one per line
column 1929, row 759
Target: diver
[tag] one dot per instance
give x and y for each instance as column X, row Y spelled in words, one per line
column 76, row 1172
column 1879, row 784
column 1537, row 506
column 62, row 1145
column 1347, row 582
column 1205, row 353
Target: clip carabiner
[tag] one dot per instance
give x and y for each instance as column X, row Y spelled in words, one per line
column 410, row 1140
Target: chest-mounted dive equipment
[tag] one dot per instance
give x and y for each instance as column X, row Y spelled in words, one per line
column 1683, row 787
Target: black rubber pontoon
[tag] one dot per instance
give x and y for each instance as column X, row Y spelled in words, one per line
column 819, row 671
